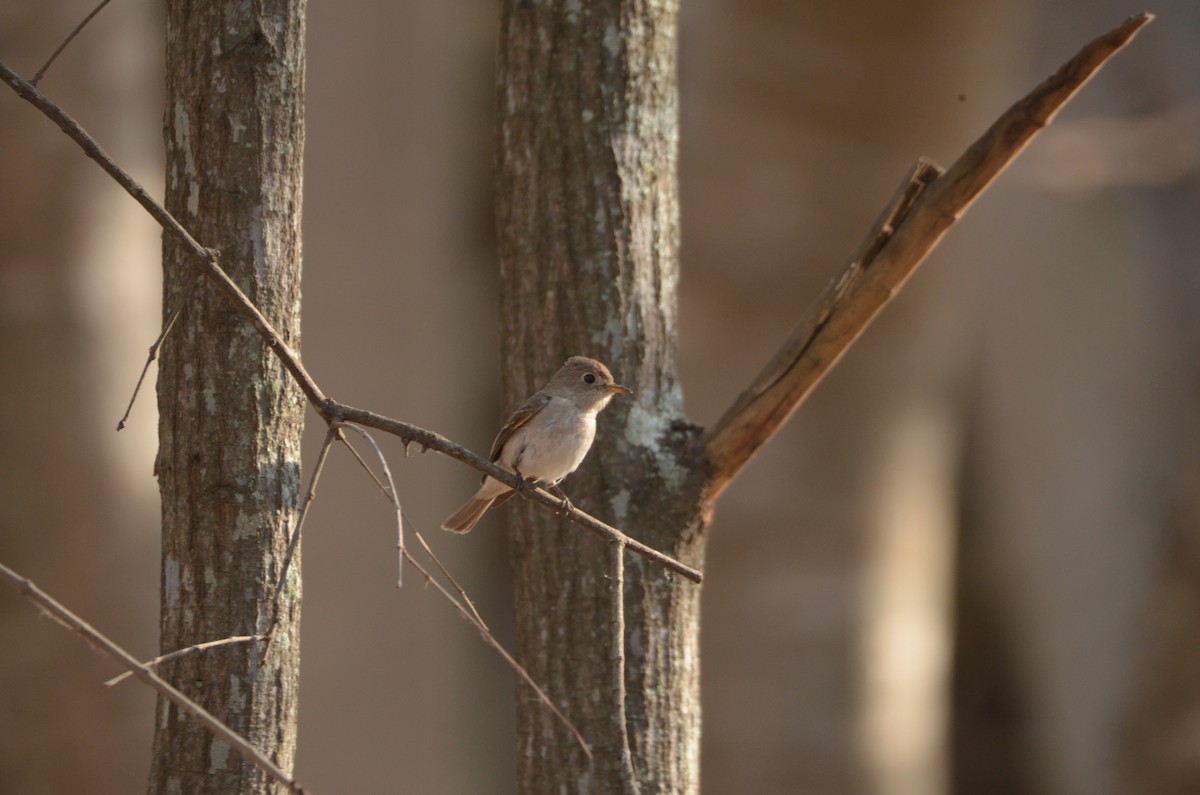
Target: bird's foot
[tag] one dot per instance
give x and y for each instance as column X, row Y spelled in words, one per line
column 565, row 507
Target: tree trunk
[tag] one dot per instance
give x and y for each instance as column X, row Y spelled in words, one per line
column 230, row 419
column 588, row 238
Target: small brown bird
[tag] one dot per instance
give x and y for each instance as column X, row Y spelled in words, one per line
column 546, row 438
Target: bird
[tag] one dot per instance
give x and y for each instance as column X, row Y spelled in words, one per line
column 547, row 437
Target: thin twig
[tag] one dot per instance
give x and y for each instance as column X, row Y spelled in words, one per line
column 508, row 658
column 197, row 647
column 362, row 462
column 450, row 578
column 616, row 586
column 153, row 354
column 927, row 205
column 295, row 539
column 37, row 78
column 389, row 490
column 436, row 561
column 102, row 643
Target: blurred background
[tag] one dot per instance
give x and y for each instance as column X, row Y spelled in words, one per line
column 971, row 562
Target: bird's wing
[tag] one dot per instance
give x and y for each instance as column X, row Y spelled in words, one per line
column 519, row 417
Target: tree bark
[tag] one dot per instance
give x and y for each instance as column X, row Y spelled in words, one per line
column 588, row 236
column 230, row 418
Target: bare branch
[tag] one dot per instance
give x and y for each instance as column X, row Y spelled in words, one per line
column 453, row 582
column 810, row 351
column 37, row 78
column 195, row 647
column 925, row 208
column 466, row 607
column 309, row 496
column 151, row 356
column 508, row 658
column 616, row 586
column 102, row 643
column 389, row 490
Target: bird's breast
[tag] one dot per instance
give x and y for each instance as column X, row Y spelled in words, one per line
column 551, row 445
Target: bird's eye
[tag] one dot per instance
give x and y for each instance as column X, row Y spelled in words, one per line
column 590, row 378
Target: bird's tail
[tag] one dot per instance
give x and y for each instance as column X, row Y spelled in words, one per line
column 462, row 520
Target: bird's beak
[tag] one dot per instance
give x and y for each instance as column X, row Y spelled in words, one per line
column 617, row 389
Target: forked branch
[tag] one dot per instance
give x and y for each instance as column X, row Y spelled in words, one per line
column 923, row 210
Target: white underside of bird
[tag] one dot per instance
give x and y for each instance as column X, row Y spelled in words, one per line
column 558, row 454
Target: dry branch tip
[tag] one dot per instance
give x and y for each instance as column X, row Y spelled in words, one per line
column 921, row 212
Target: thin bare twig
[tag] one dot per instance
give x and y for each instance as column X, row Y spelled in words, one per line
column 37, row 78
column 450, row 578
column 616, row 586
column 389, row 490
column 495, row 644
column 462, row 593
column 295, row 539
column 152, row 355
column 103, row 644
column 194, row 648
column 927, row 205
column 363, row 463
